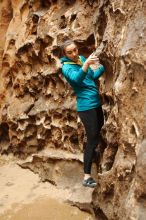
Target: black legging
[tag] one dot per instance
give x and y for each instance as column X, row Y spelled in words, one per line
column 93, row 121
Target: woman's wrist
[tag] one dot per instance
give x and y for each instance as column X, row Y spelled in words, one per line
column 85, row 66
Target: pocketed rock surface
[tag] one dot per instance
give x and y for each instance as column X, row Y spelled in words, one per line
column 37, row 106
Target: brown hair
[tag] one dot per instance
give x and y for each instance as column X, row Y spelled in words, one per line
column 65, row 44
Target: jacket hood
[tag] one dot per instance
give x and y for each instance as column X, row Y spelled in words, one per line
column 65, row 59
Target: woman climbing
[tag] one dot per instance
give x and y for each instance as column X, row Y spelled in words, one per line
column 78, row 73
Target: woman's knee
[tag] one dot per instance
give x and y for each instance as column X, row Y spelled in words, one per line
column 92, row 139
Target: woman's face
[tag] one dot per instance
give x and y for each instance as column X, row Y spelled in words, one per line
column 71, row 51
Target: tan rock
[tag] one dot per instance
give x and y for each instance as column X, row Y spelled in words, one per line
column 37, row 106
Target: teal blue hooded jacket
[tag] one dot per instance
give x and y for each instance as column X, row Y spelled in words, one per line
column 83, row 83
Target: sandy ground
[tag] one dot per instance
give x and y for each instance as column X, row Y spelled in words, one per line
column 23, row 196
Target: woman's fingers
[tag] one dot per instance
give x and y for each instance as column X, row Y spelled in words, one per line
column 93, row 59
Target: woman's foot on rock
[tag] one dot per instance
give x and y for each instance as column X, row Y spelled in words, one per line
column 90, row 182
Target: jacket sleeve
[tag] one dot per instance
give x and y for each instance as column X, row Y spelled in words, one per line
column 98, row 72
column 72, row 75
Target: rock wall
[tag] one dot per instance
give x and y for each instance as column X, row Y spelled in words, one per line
column 37, row 106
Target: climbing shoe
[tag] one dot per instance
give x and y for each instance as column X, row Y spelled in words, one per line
column 90, row 182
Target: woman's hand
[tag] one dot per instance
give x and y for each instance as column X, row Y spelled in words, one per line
column 92, row 59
